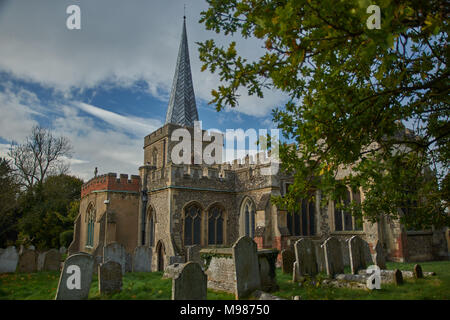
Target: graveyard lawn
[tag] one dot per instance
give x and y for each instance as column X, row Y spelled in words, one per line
column 136, row 286
column 42, row 286
column 430, row 288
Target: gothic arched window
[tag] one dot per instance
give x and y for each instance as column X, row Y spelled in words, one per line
column 90, row 220
column 215, row 226
column 151, row 227
column 343, row 217
column 192, row 225
column 302, row 222
column 247, row 220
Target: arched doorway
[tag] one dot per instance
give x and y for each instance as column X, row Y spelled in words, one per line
column 160, row 253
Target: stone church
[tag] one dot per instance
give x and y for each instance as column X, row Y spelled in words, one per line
column 169, row 207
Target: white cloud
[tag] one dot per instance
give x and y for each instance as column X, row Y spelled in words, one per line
column 116, row 149
column 140, row 127
column 120, row 42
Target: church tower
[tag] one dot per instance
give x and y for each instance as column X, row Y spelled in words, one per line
column 182, row 108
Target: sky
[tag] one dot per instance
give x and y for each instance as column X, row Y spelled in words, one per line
column 107, row 85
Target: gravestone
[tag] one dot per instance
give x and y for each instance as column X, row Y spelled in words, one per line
column 305, row 255
column 418, row 273
column 334, row 263
column 142, row 259
column 62, row 250
column 27, row 261
column 246, row 265
column 115, row 252
column 295, row 272
column 109, row 277
column 76, row 277
column 320, row 258
column 193, row 254
column 398, row 277
column 8, row 259
column 379, row 257
column 128, row 262
column 52, row 260
column 287, row 261
column 40, row 261
column 357, row 248
column 190, row 283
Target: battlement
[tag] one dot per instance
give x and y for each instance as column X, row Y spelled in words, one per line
column 259, row 159
column 110, row 182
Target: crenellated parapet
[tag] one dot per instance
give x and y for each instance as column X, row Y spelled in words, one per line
column 110, row 182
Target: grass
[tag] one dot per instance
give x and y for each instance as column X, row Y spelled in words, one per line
column 430, row 288
column 135, row 286
column 151, row 286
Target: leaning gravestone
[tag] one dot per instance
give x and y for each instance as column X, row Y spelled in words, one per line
column 27, row 261
column 418, row 273
column 52, row 260
column 357, row 248
column 247, row 267
column 287, row 261
column 8, row 260
column 109, row 277
column 142, row 259
column 190, row 283
column 115, row 252
column 379, row 258
column 334, row 263
column 76, row 277
column 305, row 255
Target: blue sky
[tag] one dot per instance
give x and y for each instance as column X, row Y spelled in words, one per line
column 107, row 85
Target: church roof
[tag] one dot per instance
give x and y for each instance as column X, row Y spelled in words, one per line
column 182, row 108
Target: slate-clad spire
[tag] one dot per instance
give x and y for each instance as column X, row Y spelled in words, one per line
column 182, row 109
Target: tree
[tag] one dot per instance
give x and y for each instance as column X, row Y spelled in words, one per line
column 49, row 210
column 351, row 92
column 9, row 190
column 41, row 155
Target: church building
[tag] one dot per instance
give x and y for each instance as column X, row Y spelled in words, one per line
column 169, row 207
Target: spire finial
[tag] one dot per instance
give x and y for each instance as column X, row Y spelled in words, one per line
column 184, row 16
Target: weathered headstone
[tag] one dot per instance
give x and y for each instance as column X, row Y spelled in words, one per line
column 334, row 263
column 193, row 254
column 128, row 262
column 40, row 261
column 62, row 250
column 379, row 257
column 109, row 277
column 418, row 273
column 27, row 261
column 398, row 277
column 115, row 252
column 320, row 258
column 295, row 272
column 52, row 260
column 142, row 259
column 287, row 261
column 357, row 249
column 76, row 277
column 246, row 265
column 8, row 260
column 305, row 255
column 190, row 283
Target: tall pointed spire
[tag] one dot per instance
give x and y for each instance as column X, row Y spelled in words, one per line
column 182, row 108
